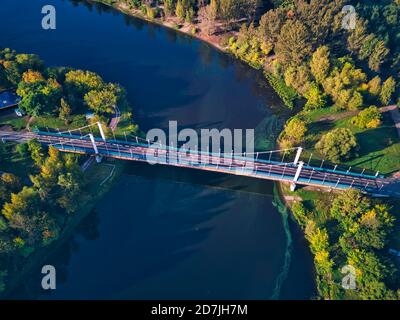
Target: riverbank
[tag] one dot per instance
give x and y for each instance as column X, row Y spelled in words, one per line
column 173, row 23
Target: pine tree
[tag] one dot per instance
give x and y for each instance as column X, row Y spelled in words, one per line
column 388, row 88
column 180, row 10
column 320, row 64
column 65, row 111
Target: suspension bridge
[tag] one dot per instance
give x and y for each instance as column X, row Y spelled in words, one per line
column 269, row 165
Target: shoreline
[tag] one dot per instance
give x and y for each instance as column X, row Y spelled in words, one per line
column 136, row 13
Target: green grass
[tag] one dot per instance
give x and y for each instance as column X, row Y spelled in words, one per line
column 379, row 148
column 317, row 114
column 13, row 162
column 16, row 123
column 53, row 122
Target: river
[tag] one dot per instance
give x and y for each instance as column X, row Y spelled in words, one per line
column 165, row 233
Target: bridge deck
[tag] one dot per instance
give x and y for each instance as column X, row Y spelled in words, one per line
column 237, row 165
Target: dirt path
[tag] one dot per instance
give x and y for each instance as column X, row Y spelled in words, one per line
column 339, row 116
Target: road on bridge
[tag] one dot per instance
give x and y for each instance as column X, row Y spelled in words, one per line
column 211, row 162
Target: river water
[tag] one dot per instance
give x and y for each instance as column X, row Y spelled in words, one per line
column 165, row 233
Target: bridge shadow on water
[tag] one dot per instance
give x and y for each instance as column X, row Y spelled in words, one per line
column 203, row 178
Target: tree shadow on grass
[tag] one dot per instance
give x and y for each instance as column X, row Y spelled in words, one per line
column 375, row 140
column 368, row 160
column 314, row 132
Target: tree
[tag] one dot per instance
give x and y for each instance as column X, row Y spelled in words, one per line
column 363, row 224
column 101, row 101
column 37, row 153
column 65, row 111
column 213, row 9
column 79, row 82
column 293, row 46
column 180, row 10
column 337, row 144
column 320, row 63
column 208, row 14
column 189, row 15
column 22, row 149
column 299, row 78
column 169, row 7
column 32, row 76
column 271, row 24
column 299, row 212
column 368, row 118
column 316, row 99
column 320, row 17
column 231, row 10
column 9, row 184
column 378, row 56
column 29, row 61
column 26, row 202
column 357, row 37
column 356, row 101
column 295, row 130
column 388, row 88
column 343, row 83
column 375, row 87
column 349, row 205
column 39, row 97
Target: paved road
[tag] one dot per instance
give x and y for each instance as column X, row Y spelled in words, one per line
column 238, row 166
column 116, row 117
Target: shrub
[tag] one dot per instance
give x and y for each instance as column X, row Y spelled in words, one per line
column 287, row 94
column 337, row 145
column 295, row 130
column 299, row 213
column 368, row 118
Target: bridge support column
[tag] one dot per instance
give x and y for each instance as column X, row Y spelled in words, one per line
column 98, row 157
column 299, row 151
column 297, row 176
column 101, row 131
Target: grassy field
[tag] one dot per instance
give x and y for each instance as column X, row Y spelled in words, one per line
column 11, row 161
column 13, row 121
column 379, row 148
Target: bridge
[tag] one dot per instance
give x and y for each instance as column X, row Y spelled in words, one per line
column 260, row 165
